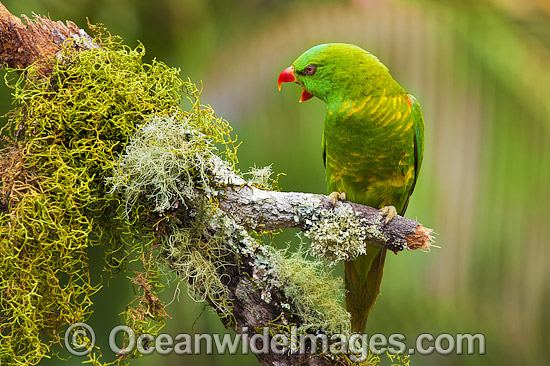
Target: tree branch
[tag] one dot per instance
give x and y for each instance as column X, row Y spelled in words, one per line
column 258, row 296
column 39, row 40
column 264, row 210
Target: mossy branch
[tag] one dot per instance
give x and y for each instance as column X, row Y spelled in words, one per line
column 181, row 194
column 265, row 210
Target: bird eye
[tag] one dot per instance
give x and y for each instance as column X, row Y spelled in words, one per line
column 310, row 70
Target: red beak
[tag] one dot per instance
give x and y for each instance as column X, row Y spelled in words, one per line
column 287, row 76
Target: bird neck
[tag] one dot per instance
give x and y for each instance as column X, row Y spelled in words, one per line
column 350, row 93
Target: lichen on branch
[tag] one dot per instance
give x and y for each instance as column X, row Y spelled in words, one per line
column 173, row 163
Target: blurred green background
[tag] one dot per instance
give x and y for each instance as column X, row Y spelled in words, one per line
column 481, row 71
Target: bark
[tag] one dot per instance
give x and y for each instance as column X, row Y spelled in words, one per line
column 39, row 40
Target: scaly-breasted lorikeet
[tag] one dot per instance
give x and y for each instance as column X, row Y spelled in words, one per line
column 373, row 142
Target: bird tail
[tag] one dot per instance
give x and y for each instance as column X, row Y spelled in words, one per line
column 363, row 278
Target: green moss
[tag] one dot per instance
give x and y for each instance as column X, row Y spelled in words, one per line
column 369, row 359
column 262, row 177
column 67, row 129
column 316, row 294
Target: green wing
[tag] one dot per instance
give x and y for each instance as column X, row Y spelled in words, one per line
column 324, row 150
column 418, row 121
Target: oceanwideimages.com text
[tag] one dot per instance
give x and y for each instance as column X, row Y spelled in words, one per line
column 80, row 340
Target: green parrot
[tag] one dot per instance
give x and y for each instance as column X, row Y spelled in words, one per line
column 373, row 142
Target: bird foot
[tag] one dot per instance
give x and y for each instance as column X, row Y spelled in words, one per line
column 335, row 196
column 389, row 212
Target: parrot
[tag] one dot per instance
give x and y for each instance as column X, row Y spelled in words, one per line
column 372, row 148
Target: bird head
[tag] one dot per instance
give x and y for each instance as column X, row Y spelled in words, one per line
column 333, row 71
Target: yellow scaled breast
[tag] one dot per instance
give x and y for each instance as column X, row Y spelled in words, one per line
column 370, row 150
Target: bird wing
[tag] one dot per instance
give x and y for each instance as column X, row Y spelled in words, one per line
column 418, row 122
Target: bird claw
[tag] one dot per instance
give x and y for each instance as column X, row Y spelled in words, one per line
column 389, row 212
column 335, row 196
